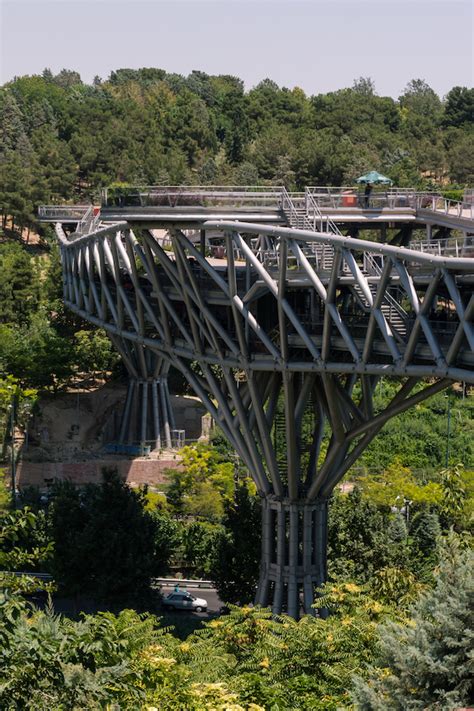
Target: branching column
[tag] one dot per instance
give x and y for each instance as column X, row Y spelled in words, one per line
column 147, row 416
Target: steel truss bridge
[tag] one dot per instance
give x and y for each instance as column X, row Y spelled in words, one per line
column 283, row 326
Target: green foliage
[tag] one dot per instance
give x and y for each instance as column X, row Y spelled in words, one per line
column 51, row 662
column 167, row 540
column 23, row 541
column 420, row 438
column 104, row 539
column 361, row 537
column 19, row 285
column 297, row 665
column 202, row 484
column 4, row 494
column 459, row 107
column 16, row 406
column 235, row 566
column 248, row 660
column 39, row 344
column 200, row 540
column 454, row 497
column 426, row 662
column 24, row 547
column 456, row 195
column 397, row 482
column 425, row 531
column 93, row 351
column 37, row 355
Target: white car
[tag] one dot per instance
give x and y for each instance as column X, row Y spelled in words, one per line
column 182, row 600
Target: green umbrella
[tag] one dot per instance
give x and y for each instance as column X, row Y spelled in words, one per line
column 374, row 178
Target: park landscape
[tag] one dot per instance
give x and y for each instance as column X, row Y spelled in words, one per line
column 390, row 625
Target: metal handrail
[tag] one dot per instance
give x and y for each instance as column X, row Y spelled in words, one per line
column 63, row 211
column 174, row 194
column 438, row 203
column 456, row 247
column 373, row 265
column 333, row 197
column 331, row 225
column 88, row 222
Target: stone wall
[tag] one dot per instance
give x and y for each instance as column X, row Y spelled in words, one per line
column 135, row 472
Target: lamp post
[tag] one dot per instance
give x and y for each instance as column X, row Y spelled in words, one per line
column 448, row 431
column 404, row 509
column 12, row 437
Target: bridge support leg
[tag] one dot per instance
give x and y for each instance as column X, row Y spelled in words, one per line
column 294, row 554
column 147, row 416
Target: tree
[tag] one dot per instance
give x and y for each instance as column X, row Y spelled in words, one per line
column 360, row 540
column 459, row 107
column 454, row 496
column 13, row 133
column 202, row 484
column 93, row 351
column 19, row 286
column 397, row 482
column 24, row 543
column 425, row 531
column 420, row 98
column 235, row 568
column 67, row 78
column 460, row 158
column 16, row 407
column 199, row 542
column 364, row 86
column 426, row 663
column 104, row 539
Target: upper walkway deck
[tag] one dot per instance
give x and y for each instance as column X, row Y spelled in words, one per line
column 317, row 207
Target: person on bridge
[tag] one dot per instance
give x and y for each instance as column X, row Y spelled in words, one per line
column 367, row 193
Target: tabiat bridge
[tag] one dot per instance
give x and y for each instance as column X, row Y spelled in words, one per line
column 283, row 321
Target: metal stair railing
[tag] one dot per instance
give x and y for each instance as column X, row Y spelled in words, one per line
column 322, row 255
column 297, row 219
column 372, row 266
column 318, row 215
column 88, row 222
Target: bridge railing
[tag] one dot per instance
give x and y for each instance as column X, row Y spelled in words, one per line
column 60, row 213
column 193, row 196
column 329, row 197
column 451, row 247
column 437, row 203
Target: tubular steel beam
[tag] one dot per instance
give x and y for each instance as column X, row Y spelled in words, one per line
column 273, row 336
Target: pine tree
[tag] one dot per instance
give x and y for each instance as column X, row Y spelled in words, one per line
column 426, row 664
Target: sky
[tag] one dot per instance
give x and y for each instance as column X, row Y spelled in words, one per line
column 318, row 45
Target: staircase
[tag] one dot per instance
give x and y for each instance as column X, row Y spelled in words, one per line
column 279, row 437
column 395, row 314
column 303, row 213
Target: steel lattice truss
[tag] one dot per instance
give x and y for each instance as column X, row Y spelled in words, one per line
column 284, row 339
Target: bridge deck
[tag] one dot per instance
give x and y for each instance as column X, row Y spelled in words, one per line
column 190, row 206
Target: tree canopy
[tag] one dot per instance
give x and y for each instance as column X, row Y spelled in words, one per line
column 63, row 139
